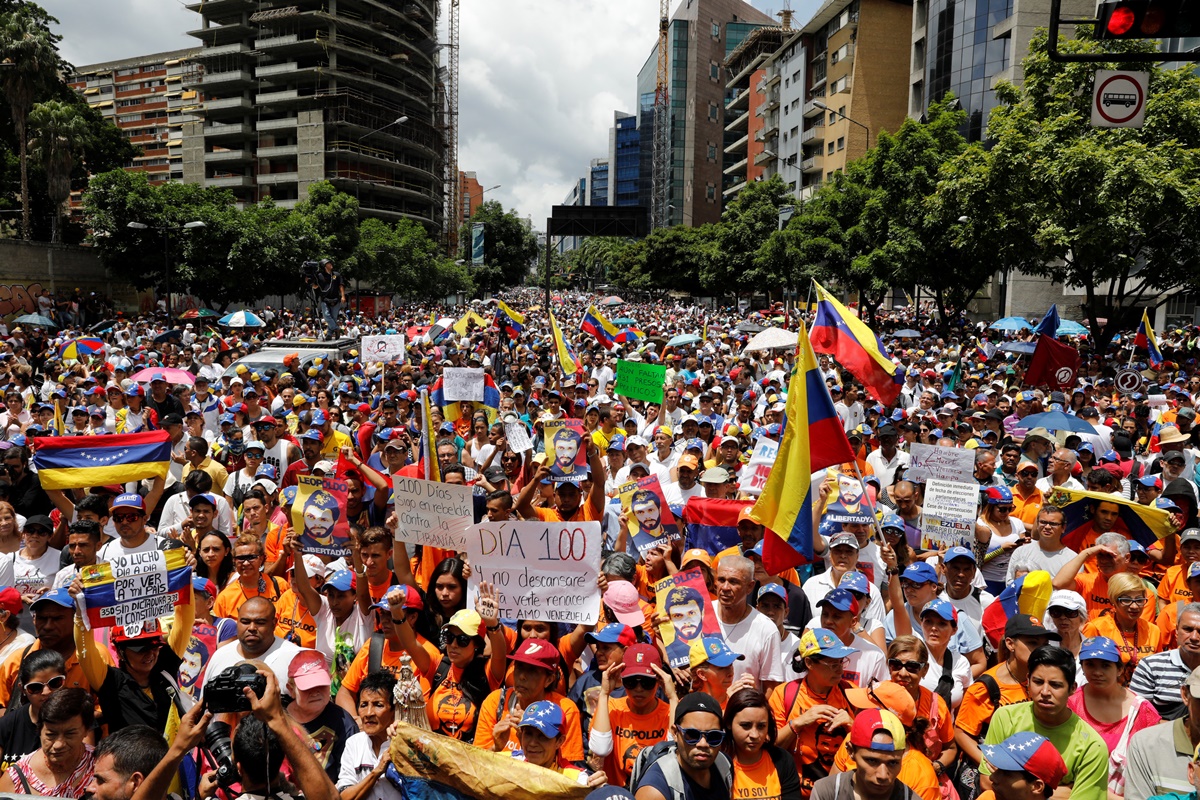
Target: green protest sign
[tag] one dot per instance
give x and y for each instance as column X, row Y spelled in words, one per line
column 641, row 381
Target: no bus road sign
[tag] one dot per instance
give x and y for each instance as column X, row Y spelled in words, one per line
column 1119, row 98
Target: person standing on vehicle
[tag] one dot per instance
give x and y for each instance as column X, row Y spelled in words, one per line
column 331, row 292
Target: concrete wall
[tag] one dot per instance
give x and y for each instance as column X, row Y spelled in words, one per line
column 28, row 268
column 310, row 141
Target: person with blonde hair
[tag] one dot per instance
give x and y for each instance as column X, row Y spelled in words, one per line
column 1124, row 624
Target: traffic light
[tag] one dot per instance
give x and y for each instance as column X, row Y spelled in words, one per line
column 1147, row 19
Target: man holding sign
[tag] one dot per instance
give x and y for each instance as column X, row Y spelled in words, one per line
column 567, row 495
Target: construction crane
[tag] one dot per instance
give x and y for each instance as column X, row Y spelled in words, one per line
column 453, row 188
column 659, row 206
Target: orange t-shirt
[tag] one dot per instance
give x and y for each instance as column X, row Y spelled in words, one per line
column 1168, row 620
column 1094, row 588
column 1026, row 508
column 1148, row 640
column 916, row 771
column 572, row 746
column 390, row 661
column 976, row 709
column 808, row 750
column 1174, row 586
column 230, row 599
column 585, row 513
column 273, row 543
column 757, row 781
column 293, row 621
column 631, row 733
column 450, row 711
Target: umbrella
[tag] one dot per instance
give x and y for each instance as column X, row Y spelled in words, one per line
column 1021, row 348
column 102, row 326
column 1069, row 327
column 1011, row 324
column 166, row 336
column 440, row 328
column 683, row 339
column 749, row 327
column 1057, row 421
column 241, row 319
column 907, row 333
column 772, row 339
column 612, row 300
column 173, row 376
column 624, row 321
column 198, row 313
column 35, row 319
column 78, row 348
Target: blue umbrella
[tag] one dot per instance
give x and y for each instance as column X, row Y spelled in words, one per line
column 1057, row 421
column 624, row 321
column 241, row 319
column 1069, row 327
column 35, row 319
column 907, row 333
column 683, row 339
column 1011, row 324
column 1022, row 348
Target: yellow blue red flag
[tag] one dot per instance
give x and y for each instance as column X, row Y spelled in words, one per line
column 812, row 440
column 854, row 346
column 597, row 325
column 1146, row 340
column 135, row 588
column 79, row 462
column 566, row 356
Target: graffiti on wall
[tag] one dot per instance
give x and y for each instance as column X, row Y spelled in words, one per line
column 19, row 298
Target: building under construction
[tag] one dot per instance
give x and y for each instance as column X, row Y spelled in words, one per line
column 348, row 91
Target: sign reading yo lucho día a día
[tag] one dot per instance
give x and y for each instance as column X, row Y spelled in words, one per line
column 132, row 589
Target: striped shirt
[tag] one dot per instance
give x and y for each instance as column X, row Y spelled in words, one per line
column 1158, row 678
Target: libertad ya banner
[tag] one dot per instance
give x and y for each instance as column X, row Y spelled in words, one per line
column 129, row 590
column 319, row 514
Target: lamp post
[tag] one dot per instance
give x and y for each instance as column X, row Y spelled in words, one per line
column 478, row 194
column 819, row 104
column 166, row 233
column 396, row 121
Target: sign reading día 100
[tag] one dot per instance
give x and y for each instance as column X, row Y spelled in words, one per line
column 541, row 570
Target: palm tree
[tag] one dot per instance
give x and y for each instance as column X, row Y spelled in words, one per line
column 28, row 64
column 58, row 133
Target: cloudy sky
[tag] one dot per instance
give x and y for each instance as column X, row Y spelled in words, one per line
column 540, row 79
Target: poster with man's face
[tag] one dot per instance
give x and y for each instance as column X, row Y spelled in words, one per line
column 686, row 604
column 651, row 522
column 566, row 450
column 319, row 514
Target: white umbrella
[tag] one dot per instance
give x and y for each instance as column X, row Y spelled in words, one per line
column 241, row 319
column 772, row 339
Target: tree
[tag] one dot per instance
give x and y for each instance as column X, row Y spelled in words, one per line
column 748, row 222
column 404, row 259
column 59, row 134
column 335, row 220
column 509, row 248
column 27, row 44
column 590, row 262
column 1114, row 210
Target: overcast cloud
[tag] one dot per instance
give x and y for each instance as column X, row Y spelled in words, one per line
column 540, row 79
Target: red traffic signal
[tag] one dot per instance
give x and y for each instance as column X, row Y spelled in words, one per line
column 1147, row 19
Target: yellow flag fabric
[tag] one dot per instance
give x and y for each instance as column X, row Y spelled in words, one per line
column 566, row 358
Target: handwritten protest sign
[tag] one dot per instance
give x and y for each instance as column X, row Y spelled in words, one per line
column 685, row 603
column 564, row 442
column 941, row 463
column 388, row 349
column 463, row 383
column 651, row 522
column 641, row 381
column 541, row 570
column 433, row 514
column 319, row 514
column 950, row 510
column 754, row 474
column 132, row 589
column 517, row 435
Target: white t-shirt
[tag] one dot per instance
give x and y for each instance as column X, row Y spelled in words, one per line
column 31, row 576
column 961, row 672
column 117, row 548
column 816, row 587
column 351, row 635
column 757, row 638
column 277, row 657
column 358, row 759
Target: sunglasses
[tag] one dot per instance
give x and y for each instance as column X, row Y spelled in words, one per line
column 460, row 639
column 245, row 558
column 254, row 454
column 641, row 682
column 692, row 736
column 1063, row 613
column 1005, row 509
column 911, row 667
column 126, row 517
column 143, row 647
column 54, row 684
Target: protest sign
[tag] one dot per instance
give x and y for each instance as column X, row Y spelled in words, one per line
column 541, row 570
column 462, row 383
column 518, row 436
column 685, row 603
column 319, row 514
column 641, row 381
column 754, row 474
column 950, row 511
column 388, row 349
column 651, row 522
column 850, row 503
column 134, row 588
column 564, row 441
column 941, row 463
column 433, row 514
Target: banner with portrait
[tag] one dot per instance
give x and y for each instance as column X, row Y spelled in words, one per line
column 566, row 449
column 684, row 600
column 319, row 516
column 651, row 522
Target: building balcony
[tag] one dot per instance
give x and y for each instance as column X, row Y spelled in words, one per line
column 740, row 99
column 276, row 178
column 266, row 98
column 229, row 181
column 226, row 104
column 811, row 109
column 275, row 69
column 738, row 167
column 814, row 134
column 739, row 122
column 278, row 151
column 275, row 124
column 737, row 146
column 764, row 157
column 231, row 77
column 812, row 164
column 222, row 50
column 219, row 130
column 734, row 189
column 225, row 156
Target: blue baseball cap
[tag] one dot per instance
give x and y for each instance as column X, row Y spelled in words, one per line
column 920, row 572
column 617, row 442
column 717, row 652
column 823, row 642
column 204, row 497
column 1028, row 752
column 892, row 521
column 289, row 495
column 781, row 593
column 613, row 633
column 943, row 608
column 342, row 580
column 959, row 552
column 839, row 598
column 200, row 584
column 128, row 500
column 59, row 596
column 855, row 582
column 319, row 418
column 544, row 715
column 313, row 434
column 226, row 419
column 267, row 471
column 1099, row 647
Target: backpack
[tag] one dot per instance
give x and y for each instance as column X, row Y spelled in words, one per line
column 664, row 752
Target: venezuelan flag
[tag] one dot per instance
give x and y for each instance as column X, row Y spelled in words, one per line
column 433, row 471
column 104, row 606
column 1028, row 594
column 711, row 524
column 595, row 324
column 1145, row 524
column 812, row 440
column 509, row 321
column 451, row 410
column 566, row 356
column 79, row 462
column 1146, row 340
column 855, row 346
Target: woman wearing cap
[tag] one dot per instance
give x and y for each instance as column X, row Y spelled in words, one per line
column 62, row 766
column 36, row 563
column 951, row 673
column 240, row 481
column 760, row 768
column 1067, row 614
column 1115, row 712
column 542, row 731
column 623, row 726
column 1125, row 623
column 997, row 534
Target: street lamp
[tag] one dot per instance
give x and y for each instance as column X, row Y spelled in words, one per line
column 478, row 194
column 819, row 104
column 396, row 121
column 166, row 232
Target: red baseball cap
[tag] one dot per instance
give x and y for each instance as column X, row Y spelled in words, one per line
column 308, row 670
column 10, row 600
column 640, row 659
column 537, row 653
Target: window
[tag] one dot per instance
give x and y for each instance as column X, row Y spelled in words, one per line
column 710, row 192
column 841, row 143
column 714, row 70
column 841, row 111
column 831, row 148
column 712, row 152
column 832, row 118
column 712, row 112
column 716, row 30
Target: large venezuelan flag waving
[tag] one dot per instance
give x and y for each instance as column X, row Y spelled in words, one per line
column 812, row 440
column 855, row 346
column 79, row 462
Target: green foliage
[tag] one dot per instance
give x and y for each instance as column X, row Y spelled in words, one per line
column 402, row 258
column 334, row 216
column 58, row 136
column 509, row 248
column 748, row 222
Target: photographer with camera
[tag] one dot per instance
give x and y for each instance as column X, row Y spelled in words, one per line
column 331, row 295
column 256, row 642
column 257, row 750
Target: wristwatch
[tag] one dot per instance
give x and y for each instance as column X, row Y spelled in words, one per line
column 894, row 570
column 493, row 628
column 400, row 621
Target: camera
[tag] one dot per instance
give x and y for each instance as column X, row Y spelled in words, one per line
column 309, row 270
column 219, row 744
column 224, row 692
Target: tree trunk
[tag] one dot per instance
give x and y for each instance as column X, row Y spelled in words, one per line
column 26, row 221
